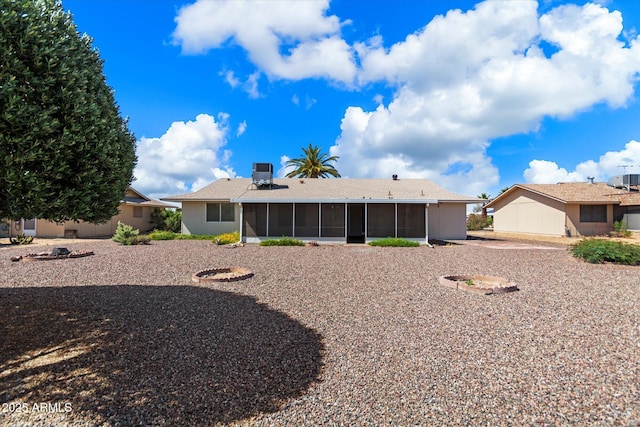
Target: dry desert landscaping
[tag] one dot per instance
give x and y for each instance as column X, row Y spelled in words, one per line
column 327, row 335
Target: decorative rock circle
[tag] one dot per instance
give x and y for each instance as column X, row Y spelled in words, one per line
column 478, row 284
column 224, row 274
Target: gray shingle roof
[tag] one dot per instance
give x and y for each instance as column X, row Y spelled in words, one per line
column 342, row 189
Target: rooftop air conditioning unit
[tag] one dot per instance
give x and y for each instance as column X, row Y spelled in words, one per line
column 262, row 174
column 624, row 181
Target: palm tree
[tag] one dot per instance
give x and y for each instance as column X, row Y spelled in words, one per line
column 481, row 207
column 313, row 164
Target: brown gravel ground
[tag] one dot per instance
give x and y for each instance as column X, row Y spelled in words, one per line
column 329, row 335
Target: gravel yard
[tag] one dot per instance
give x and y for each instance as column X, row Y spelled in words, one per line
column 332, row 335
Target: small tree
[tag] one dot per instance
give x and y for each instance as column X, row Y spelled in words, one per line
column 126, row 235
column 314, row 164
column 167, row 219
column 65, row 152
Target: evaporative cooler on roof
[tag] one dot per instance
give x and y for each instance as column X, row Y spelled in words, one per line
column 262, row 174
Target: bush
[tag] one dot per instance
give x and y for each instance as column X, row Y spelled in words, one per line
column 284, row 241
column 478, row 222
column 162, row 235
column 620, row 229
column 394, row 242
column 138, row 240
column 195, row 236
column 167, row 220
column 21, row 239
column 227, row 238
column 126, row 235
column 597, row 251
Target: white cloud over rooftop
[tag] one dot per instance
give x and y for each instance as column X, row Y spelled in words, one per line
column 610, row 164
column 186, row 156
column 463, row 79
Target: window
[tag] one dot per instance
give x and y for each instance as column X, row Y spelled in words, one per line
column 227, row 212
column 221, row 212
column 593, row 213
column 137, row 211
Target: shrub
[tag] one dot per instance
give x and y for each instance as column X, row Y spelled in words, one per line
column 478, row 222
column 194, row 236
column 162, row 235
column 139, row 240
column 620, row 229
column 126, row 235
column 167, row 219
column 597, row 251
column 227, row 238
column 21, row 239
column 284, row 241
column 395, row 242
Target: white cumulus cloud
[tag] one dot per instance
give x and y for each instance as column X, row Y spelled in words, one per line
column 462, row 80
column 284, row 168
column 242, row 128
column 469, row 77
column 286, row 39
column 610, row 164
column 188, row 156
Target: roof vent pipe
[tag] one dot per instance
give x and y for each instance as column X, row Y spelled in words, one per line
column 395, row 177
column 590, row 179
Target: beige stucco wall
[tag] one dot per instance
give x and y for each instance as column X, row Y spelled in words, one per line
column 46, row 228
column 526, row 212
column 194, row 220
column 447, row 221
column 578, row 228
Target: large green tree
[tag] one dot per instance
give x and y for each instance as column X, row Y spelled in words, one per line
column 65, row 151
column 313, row 164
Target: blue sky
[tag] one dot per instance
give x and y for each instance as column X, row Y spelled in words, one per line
column 474, row 96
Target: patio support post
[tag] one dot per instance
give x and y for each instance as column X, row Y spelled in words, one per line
column 396, row 218
column 241, row 222
column 346, row 226
column 268, row 219
column 366, row 220
column 426, row 223
column 293, row 215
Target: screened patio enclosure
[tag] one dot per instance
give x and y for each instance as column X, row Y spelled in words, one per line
column 337, row 221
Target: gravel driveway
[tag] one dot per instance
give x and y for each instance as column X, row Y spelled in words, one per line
column 331, row 335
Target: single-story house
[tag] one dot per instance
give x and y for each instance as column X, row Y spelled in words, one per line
column 325, row 210
column 135, row 209
column 565, row 209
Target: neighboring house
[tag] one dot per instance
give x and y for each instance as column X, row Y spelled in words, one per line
column 135, row 210
column 565, row 209
column 325, row 210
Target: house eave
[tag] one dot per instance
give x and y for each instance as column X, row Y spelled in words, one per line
column 322, row 200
